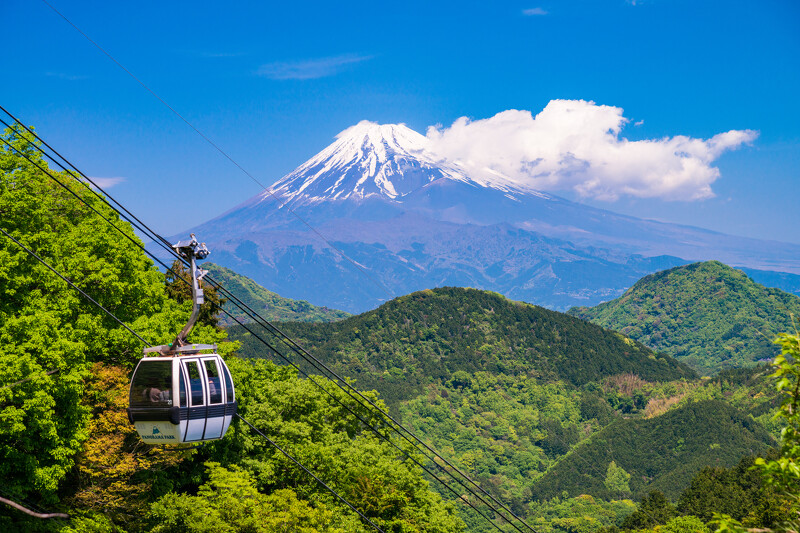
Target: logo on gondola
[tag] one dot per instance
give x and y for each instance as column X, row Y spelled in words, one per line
column 157, row 434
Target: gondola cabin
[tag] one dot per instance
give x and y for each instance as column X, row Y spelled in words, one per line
column 186, row 398
column 181, row 394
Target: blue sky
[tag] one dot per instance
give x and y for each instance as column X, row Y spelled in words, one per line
column 273, row 83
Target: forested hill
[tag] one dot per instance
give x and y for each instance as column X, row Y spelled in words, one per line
column 707, row 315
column 266, row 303
column 429, row 335
column 66, row 445
column 662, row 453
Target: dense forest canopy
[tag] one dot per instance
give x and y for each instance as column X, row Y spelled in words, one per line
column 47, row 326
column 707, row 315
column 564, row 422
column 65, row 441
column 432, row 334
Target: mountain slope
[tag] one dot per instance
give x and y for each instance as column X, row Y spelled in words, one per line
column 266, row 303
column 368, row 159
column 411, row 220
column 708, row 315
column 661, row 453
column 430, row 335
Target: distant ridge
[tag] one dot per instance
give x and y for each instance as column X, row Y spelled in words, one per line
column 266, row 303
column 707, row 315
column 412, row 220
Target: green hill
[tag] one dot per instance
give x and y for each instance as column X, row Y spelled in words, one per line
column 266, row 303
column 67, row 445
column 707, row 315
column 428, row 336
column 661, row 453
column 513, row 393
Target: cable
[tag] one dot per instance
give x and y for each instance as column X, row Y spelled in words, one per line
column 109, row 313
column 106, row 311
column 48, row 373
column 275, row 331
column 113, row 225
column 282, row 204
column 375, row 430
column 104, row 197
column 73, row 193
column 295, row 461
column 317, row 364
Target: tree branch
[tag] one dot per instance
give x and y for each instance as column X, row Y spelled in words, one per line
column 31, row 513
column 48, row 373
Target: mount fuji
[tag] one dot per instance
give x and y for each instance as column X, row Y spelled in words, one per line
column 377, row 214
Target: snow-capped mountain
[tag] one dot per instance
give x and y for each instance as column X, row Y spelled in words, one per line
column 389, row 161
column 407, row 220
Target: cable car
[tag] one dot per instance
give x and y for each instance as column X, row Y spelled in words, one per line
column 182, row 394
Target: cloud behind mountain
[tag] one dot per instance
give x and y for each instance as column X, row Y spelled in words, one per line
column 577, row 145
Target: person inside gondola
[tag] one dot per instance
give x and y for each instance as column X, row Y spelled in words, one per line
column 157, row 395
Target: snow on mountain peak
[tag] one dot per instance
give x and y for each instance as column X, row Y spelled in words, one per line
column 369, row 159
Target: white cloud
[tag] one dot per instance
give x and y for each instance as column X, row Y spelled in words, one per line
column 310, row 68
column 576, row 145
column 107, row 183
column 534, row 11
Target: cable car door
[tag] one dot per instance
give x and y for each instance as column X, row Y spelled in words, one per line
column 195, row 380
column 215, row 400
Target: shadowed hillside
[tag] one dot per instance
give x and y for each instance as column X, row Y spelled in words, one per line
column 661, row 453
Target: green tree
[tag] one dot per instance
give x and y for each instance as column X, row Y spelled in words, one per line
column 617, row 479
column 50, row 335
column 653, row 510
column 685, row 524
column 320, row 432
column 229, row 503
column 782, row 473
column 47, row 326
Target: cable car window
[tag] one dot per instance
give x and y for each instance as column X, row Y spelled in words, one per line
column 195, row 382
column 214, row 384
column 228, row 384
column 152, row 384
column 182, row 388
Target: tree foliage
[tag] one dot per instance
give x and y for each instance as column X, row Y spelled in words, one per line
column 116, row 474
column 320, row 431
column 430, row 335
column 661, row 453
column 707, row 315
column 781, row 473
column 47, row 326
column 617, row 479
column 654, row 509
column 229, row 502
